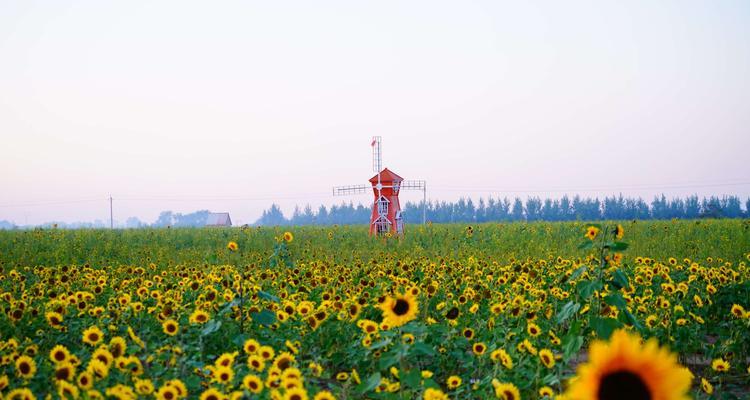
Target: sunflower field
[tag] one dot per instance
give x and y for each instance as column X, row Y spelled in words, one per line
column 628, row 310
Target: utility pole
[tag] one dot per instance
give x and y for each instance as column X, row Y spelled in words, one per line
column 111, row 221
column 424, row 204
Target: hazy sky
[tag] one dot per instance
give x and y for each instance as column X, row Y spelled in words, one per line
column 229, row 106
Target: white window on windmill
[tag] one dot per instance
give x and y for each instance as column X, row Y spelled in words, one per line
column 396, row 186
column 383, row 206
column 382, row 225
column 399, row 222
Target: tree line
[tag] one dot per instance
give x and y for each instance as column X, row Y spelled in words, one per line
column 532, row 209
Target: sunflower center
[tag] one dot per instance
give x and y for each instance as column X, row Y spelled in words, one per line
column 623, row 385
column 401, row 307
column 24, row 368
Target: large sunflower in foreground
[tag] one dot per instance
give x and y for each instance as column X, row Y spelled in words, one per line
column 399, row 309
column 623, row 368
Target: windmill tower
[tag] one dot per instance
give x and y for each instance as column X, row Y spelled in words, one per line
column 386, row 213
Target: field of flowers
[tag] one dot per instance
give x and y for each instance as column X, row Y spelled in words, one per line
column 629, row 310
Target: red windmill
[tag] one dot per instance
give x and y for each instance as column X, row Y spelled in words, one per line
column 386, row 211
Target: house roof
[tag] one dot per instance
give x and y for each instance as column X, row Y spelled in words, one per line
column 386, row 175
column 218, row 219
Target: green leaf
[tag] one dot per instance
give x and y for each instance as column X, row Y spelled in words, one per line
column 550, row 379
column 572, row 346
column 412, row 377
column 268, row 296
column 632, row 320
column 616, row 299
column 389, row 358
column 380, row 344
column 265, row 317
column 586, row 245
column 415, row 328
column 604, row 326
column 371, row 383
column 228, row 307
column 620, row 280
column 586, row 289
column 616, row 246
column 423, row 349
column 578, row 272
column 568, row 310
column 211, row 327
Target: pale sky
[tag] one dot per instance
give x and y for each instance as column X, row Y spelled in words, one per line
column 230, row 106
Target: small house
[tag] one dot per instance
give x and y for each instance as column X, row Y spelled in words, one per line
column 218, row 219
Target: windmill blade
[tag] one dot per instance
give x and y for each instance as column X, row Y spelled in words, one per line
column 377, row 155
column 413, row 185
column 351, row 189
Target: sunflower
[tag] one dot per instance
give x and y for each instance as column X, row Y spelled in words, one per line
column 506, row 391
column 20, row 394
column 738, row 311
column 64, row 372
column 591, row 232
column 251, row 346
column 170, row 327
column 548, row 359
column 232, row 246
column 252, row 383
column 167, row 392
column 624, row 369
column 223, row 375
column 546, row 391
column 284, row 360
column 144, row 386
column 707, row 386
column 59, row 354
column 256, row 363
column 117, row 346
column 199, row 317
column 93, row 335
column 179, row 386
column 533, row 329
column 368, row 327
column 342, row 376
column 85, row 380
column 453, row 382
column 434, row 394
column 266, row 352
column 324, row 395
column 67, row 390
column 25, row 367
column 619, row 231
column 503, row 357
column 478, row 348
column 399, row 309
column 288, row 237
column 212, row 394
column 452, row 314
column 54, row 319
column 720, row 365
column 296, row 393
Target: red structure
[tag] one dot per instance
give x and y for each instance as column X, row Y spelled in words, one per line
column 386, row 210
column 386, row 214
